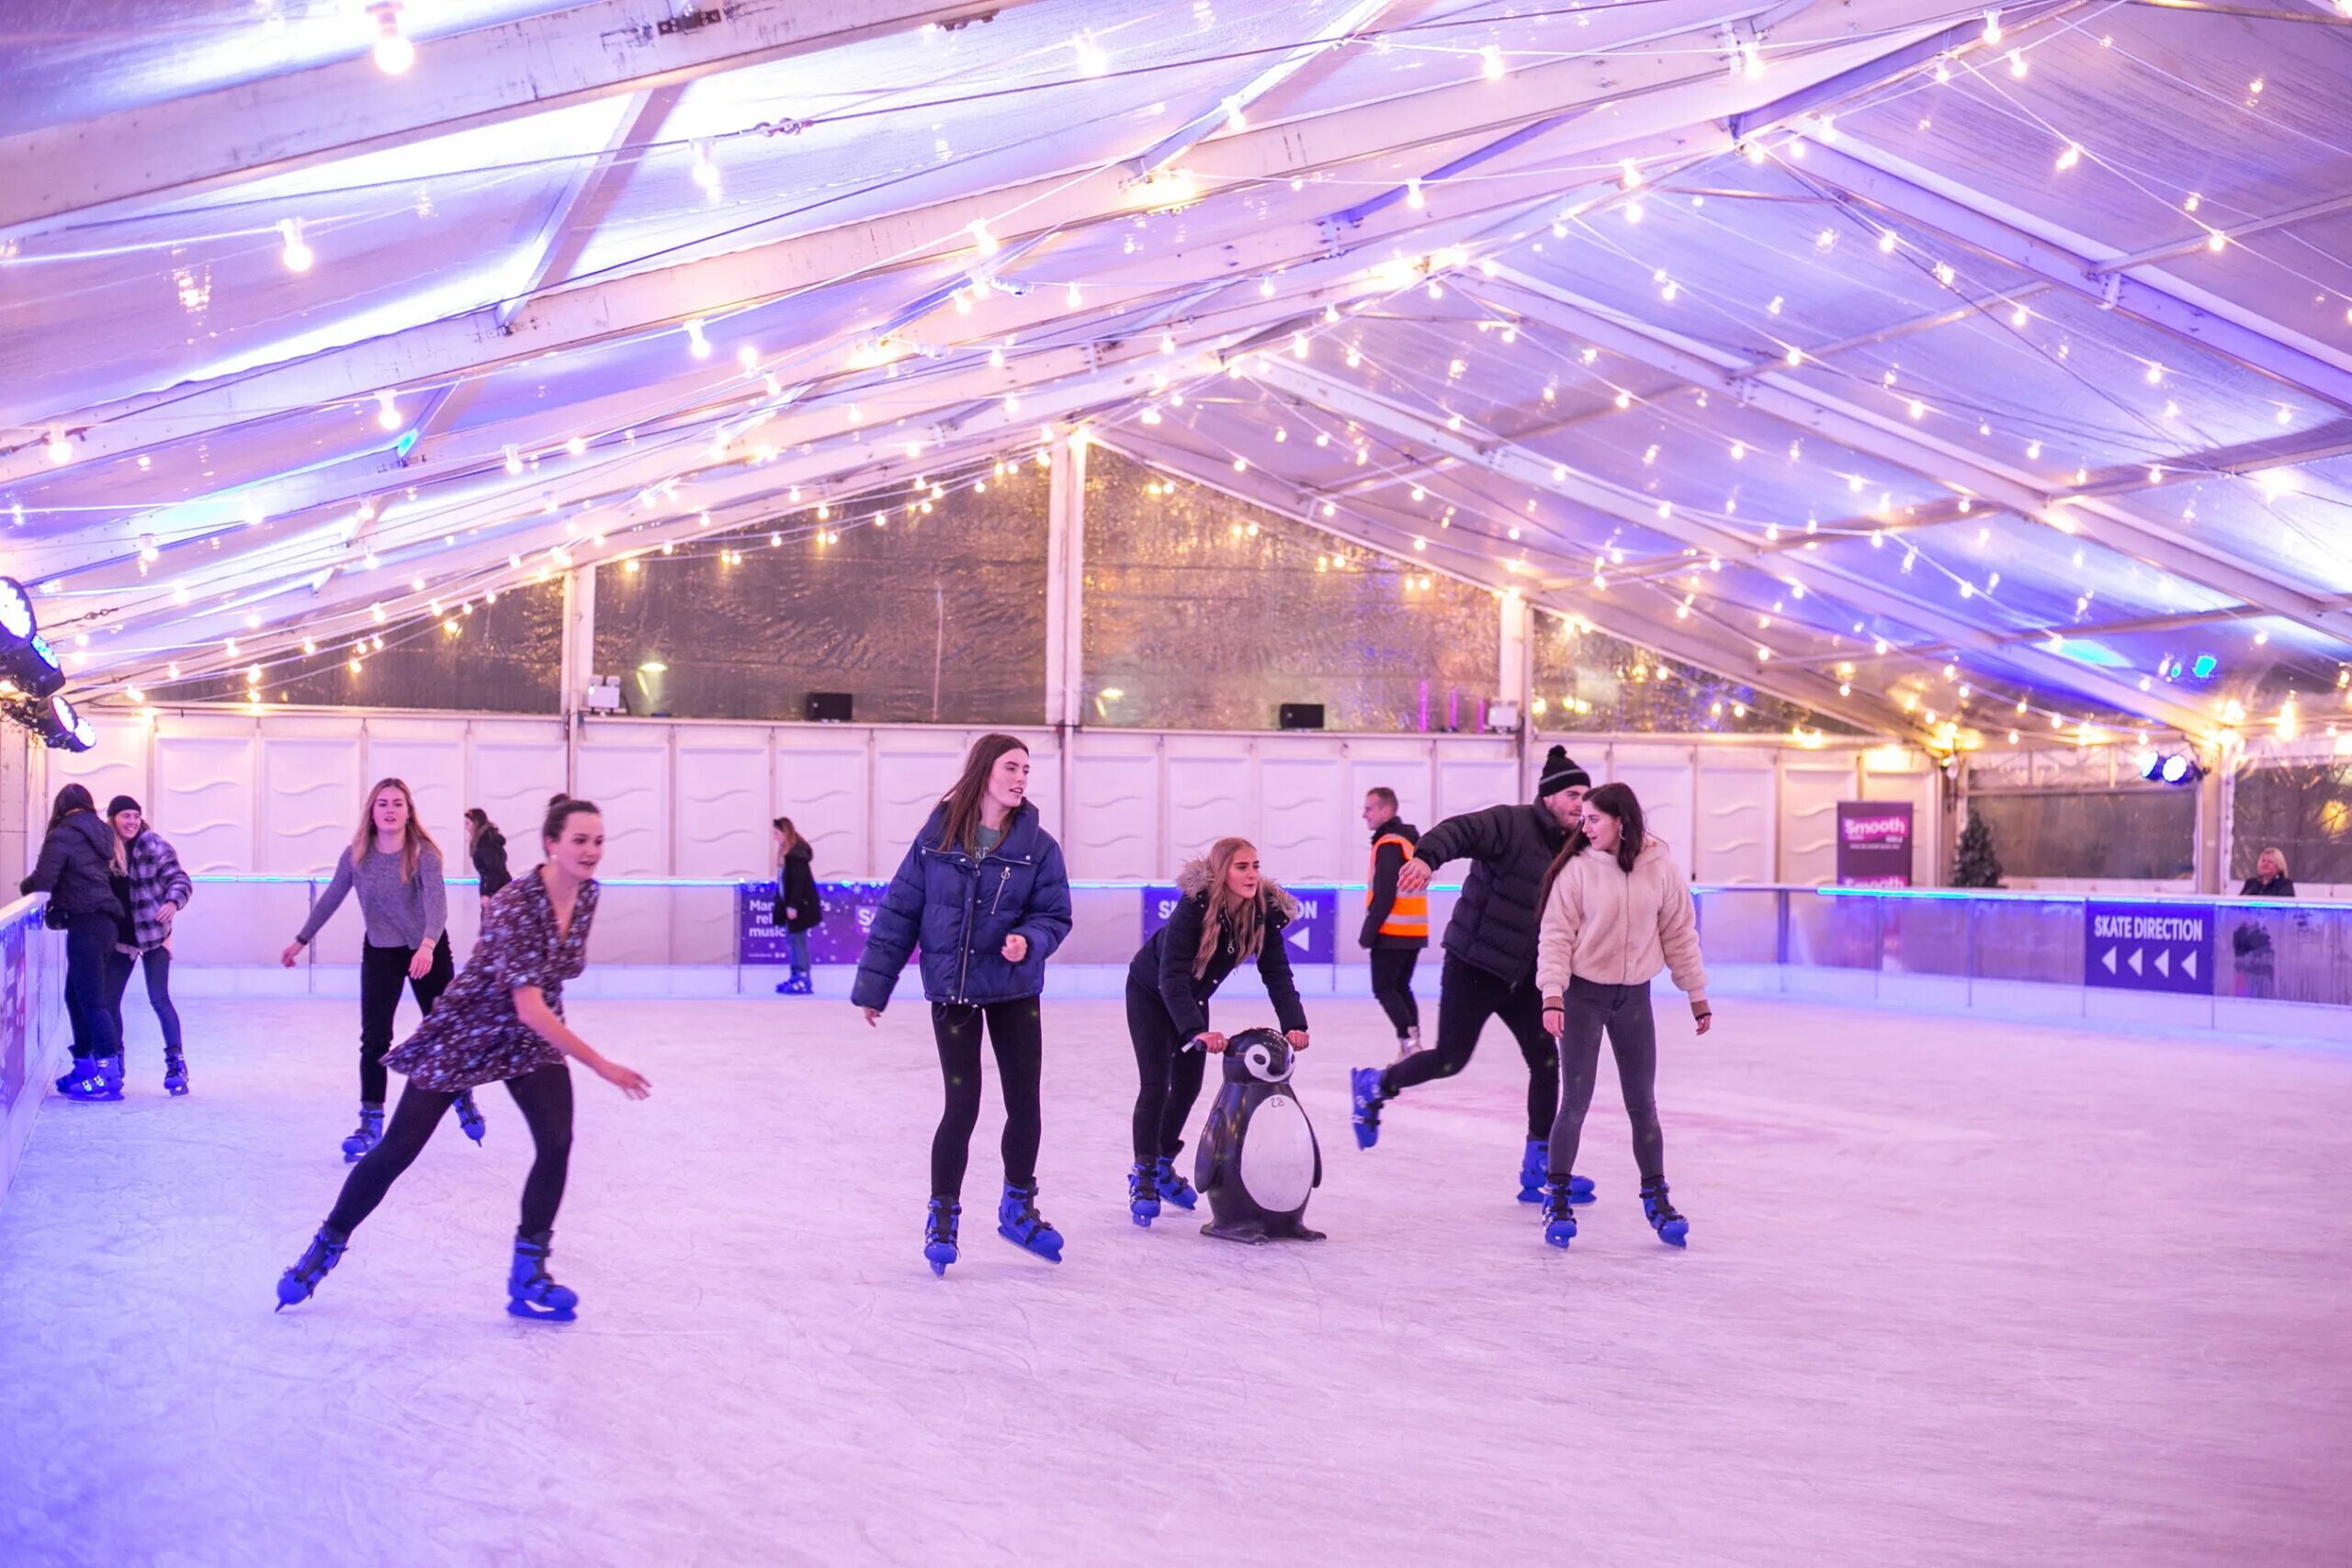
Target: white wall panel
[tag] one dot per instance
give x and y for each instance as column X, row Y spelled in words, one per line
column 515, row 766
column 312, row 796
column 722, row 795
column 1304, row 833
column 116, row 766
column 1661, row 778
column 1114, row 820
column 912, row 771
column 820, row 783
column 204, row 790
column 1472, row 783
column 1406, row 769
column 1810, row 792
column 429, row 756
column 1734, row 798
column 1212, row 794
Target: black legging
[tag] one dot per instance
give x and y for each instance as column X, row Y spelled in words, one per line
column 381, row 970
column 90, row 942
column 1017, row 1031
column 1168, row 1076
column 1468, row 997
column 1392, row 986
column 543, row 1095
column 1624, row 1012
column 157, row 963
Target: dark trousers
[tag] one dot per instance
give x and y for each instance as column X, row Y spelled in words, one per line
column 157, row 962
column 1392, row 986
column 1623, row 1011
column 1468, row 997
column 381, row 972
column 543, row 1095
column 1017, row 1031
column 1168, row 1076
column 89, row 945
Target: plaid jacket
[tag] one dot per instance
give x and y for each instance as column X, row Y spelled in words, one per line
column 156, row 879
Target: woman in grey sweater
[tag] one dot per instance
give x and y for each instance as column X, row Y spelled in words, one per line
column 395, row 866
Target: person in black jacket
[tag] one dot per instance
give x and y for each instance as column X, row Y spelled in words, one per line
column 1395, row 925
column 1490, row 956
column 486, row 847
column 2257, row 961
column 83, row 871
column 1227, row 910
column 798, row 909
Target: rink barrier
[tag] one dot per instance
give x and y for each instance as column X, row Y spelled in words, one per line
column 2277, row 967
column 33, row 1033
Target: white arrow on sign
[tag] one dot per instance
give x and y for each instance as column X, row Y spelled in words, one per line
column 2164, row 964
column 2134, row 961
column 1299, row 939
column 2189, row 966
column 2107, row 958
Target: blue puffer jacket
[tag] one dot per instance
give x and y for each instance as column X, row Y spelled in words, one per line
column 960, row 911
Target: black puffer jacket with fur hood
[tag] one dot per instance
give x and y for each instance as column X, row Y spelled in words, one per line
column 1164, row 963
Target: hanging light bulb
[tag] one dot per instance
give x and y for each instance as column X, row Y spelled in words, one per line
column 982, row 240
column 2217, row 241
column 1630, row 174
column 388, row 413
column 1751, row 59
column 1492, row 62
column 1413, row 192
column 296, row 254
column 1071, row 297
column 2016, row 62
column 394, row 54
column 59, row 451
column 696, row 344
column 706, row 173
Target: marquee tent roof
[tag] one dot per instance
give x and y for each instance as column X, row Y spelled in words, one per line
column 1926, row 364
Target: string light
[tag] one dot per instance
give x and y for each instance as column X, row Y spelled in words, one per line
column 296, row 255
column 59, row 451
column 706, row 173
column 696, row 344
column 388, row 413
column 394, row 54
column 1413, row 192
column 1493, row 62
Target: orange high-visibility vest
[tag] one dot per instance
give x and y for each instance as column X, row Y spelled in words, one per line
column 1409, row 915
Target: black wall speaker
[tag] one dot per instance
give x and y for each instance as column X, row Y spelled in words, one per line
column 1302, row 716
column 828, row 707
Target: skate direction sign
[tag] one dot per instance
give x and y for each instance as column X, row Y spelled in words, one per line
column 2148, row 947
column 1310, row 937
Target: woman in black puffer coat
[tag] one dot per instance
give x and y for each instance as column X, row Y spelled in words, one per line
column 1227, row 911
column 82, row 870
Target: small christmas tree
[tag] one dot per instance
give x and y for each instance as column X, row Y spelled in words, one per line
column 1978, row 865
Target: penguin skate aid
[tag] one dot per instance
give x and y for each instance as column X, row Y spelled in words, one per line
column 1258, row 1162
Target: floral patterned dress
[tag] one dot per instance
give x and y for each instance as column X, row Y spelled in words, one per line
column 472, row 1035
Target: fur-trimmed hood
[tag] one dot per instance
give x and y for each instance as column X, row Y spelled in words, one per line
column 1281, row 907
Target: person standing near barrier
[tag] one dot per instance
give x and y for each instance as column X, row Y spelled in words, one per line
column 395, row 866
column 486, row 847
column 2257, row 960
column 81, row 868
column 1395, row 924
column 1489, row 968
column 983, row 891
column 798, row 909
column 1616, row 910
column 159, row 891
column 502, row 1021
column 1227, row 910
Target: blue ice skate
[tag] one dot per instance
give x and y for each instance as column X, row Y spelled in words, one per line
column 1559, row 1215
column 1671, row 1228
column 1364, row 1084
column 87, row 1080
column 469, row 1116
column 298, row 1283
column 1143, row 1193
column 1018, row 1221
column 1535, row 1175
column 529, row 1292
column 367, row 1135
column 939, row 1233
column 1174, row 1188
column 175, row 1073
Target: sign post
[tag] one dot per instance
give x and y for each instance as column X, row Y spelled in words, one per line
column 1875, row 843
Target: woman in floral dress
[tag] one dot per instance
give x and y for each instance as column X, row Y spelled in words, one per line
column 500, row 1021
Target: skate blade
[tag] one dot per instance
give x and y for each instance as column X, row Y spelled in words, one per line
column 1053, row 1257
column 1674, row 1233
column 1142, row 1219
column 540, row 1314
column 1560, row 1241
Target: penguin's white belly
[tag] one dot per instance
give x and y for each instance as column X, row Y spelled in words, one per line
column 1278, row 1156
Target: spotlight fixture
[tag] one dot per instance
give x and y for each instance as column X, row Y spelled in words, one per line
column 2179, row 769
column 26, row 662
column 63, row 728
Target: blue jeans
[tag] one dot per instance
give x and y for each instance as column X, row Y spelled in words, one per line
column 795, row 946
column 89, row 949
column 156, row 961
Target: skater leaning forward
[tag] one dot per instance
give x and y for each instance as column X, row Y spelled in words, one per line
column 1616, row 911
column 983, row 891
column 1227, row 910
column 501, row 1020
column 1489, row 954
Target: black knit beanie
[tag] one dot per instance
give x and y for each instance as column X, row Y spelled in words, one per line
column 120, row 804
column 1559, row 773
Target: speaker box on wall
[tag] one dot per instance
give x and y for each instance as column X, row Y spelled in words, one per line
column 828, row 707
column 1302, row 716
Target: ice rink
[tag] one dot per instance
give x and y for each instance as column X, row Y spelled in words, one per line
column 1958, row 1291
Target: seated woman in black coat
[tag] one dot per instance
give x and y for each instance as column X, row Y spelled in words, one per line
column 1228, row 911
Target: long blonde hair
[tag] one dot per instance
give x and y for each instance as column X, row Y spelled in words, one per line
column 1246, row 915
column 414, row 839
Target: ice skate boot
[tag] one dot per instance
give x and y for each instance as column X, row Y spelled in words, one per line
column 87, row 1080
column 367, row 1135
column 939, row 1233
column 1143, row 1193
column 469, row 1116
column 175, row 1073
column 798, row 985
column 1671, row 1228
column 1409, row 1042
column 298, row 1283
column 1559, row 1214
column 1018, row 1221
column 1532, row 1167
column 529, row 1292
column 1173, row 1189
column 1364, row 1084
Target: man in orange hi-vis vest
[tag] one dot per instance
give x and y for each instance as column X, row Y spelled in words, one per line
column 1395, row 925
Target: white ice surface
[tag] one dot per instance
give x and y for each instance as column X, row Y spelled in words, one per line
column 1956, row 1293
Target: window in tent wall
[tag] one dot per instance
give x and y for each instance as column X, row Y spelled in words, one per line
column 1590, row 680
column 2302, row 810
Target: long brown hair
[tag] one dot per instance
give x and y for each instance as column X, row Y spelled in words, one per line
column 1612, row 800
column 964, row 801
column 791, row 838
column 414, row 839
column 72, row 798
column 1247, row 916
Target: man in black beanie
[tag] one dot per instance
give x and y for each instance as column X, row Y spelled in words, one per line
column 1489, row 968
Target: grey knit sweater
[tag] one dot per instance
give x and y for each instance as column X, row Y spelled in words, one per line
column 398, row 914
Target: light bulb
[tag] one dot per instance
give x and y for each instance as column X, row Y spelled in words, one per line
column 2217, row 241
column 697, row 344
column 2071, row 156
column 1493, row 59
column 394, row 52
column 388, row 413
column 2020, row 316
column 59, row 451
column 706, row 173
column 1071, row 297
column 1631, row 173
column 2016, row 62
column 296, row 254
column 1413, row 192
column 982, row 240
column 1886, row 240
column 1993, row 25
column 1751, row 59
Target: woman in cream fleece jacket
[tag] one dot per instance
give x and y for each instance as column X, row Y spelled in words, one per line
column 1615, row 912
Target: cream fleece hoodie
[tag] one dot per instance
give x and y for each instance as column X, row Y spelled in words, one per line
column 1618, row 929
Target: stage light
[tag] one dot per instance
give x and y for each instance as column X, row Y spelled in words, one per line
column 64, row 728
column 2180, row 768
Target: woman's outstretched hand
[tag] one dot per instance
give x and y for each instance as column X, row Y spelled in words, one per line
column 873, row 1016
column 292, row 956
column 628, row 1080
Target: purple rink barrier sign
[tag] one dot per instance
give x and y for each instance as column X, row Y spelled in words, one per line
column 1310, row 936
column 1873, row 843
column 2149, row 947
column 839, row 939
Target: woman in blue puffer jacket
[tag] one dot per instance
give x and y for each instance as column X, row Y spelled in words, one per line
column 983, row 893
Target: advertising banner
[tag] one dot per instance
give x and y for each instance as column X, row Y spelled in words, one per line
column 2149, row 947
column 849, row 910
column 1873, row 843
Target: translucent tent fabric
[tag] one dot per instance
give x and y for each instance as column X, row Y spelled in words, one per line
column 1842, row 355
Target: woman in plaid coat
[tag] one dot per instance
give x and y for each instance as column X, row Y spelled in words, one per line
column 158, row 891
